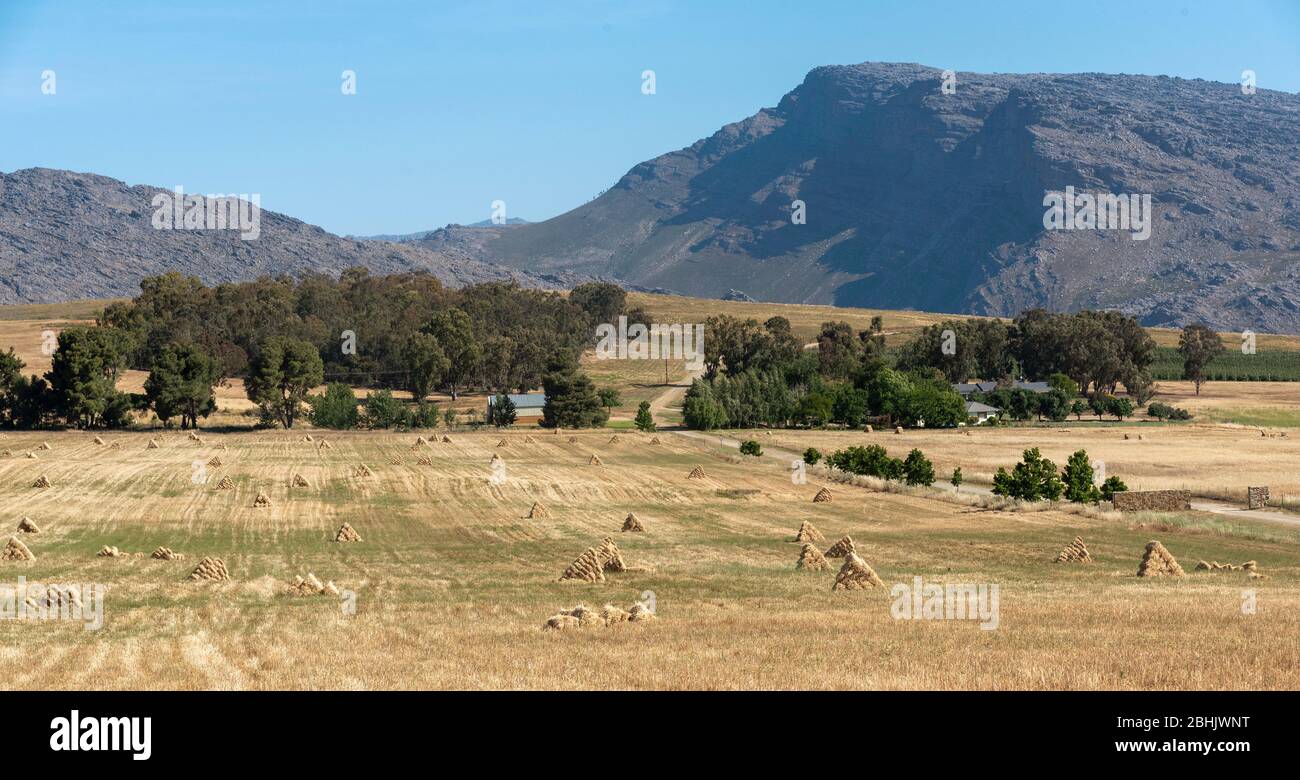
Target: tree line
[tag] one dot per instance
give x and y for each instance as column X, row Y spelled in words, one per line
column 286, row 336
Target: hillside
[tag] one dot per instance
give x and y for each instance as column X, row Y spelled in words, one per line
column 918, row 199
column 66, row 236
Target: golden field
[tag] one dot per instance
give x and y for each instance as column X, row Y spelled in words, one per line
column 453, row 583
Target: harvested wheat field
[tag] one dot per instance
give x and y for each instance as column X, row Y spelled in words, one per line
column 453, row 583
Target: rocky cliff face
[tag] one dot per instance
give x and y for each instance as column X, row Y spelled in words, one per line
column 920, row 199
column 65, row 236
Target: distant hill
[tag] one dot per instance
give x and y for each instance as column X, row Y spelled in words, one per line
column 400, row 237
column 920, row 199
column 67, row 236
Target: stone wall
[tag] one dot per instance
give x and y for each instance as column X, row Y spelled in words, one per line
column 1153, row 500
column 1256, row 497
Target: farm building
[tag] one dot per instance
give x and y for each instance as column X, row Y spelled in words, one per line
column 528, row 406
column 964, row 389
column 981, row 412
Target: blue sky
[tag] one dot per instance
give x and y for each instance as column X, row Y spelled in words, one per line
column 535, row 103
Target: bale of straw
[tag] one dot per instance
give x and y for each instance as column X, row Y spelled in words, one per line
column 99, row 440
column 15, row 550
column 109, row 552
column 41, row 482
column 27, row 526
column 561, row 623
column 610, row 557
column 640, row 612
column 211, row 569
column 215, row 461
column 166, row 554
column 822, row 496
column 262, row 500
column 632, row 524
column 808, row 533
column 538, row 512
column 855, row 574
column 811, row 559
column 226, row 483
column 595, row 461
column 152, row 445
column 696, row 473
column 844, row 547
column 362, row 471
column 1158, row 562
column 347, row 533
column 300, row 481
column 1075, row 552
column 586, row 568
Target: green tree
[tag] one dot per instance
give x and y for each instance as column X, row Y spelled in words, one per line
column 644, row 421
column 609, row 398
column 1110, row 487
column 281, row 374
column 449, row 418
column 1078, row 479
column 917, row 469
column 700, row 408
column 1199, row 346
column 181, row 382
column 751, row 448
column 83, row 378
column 956, row 479
column 1120, row 407
column 503, row 412
column 455, row 334
column 1032, row 479
column 1077, row 408
column 811, row 456
column 425, row 416
column 1065, row 384
column 335, row 408
column 384, row 411
column 571, row 402
column 426, row 364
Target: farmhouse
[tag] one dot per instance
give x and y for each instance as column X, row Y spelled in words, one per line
column 981, row 412
column 528, row 406
column 964, row 389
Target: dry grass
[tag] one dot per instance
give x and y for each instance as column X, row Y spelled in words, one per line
column 453, row 584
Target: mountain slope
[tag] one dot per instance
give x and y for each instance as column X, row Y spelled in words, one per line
column 919, row 199
column 65, row 236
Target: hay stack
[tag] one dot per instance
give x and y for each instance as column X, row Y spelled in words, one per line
column 109, row 552
column 15, row 550
column 1075, row 552
column 823, row 495
column 611, row 614
column 585, row 567
column 811, row 559
column 446, row 439
column 226, row 483
column 503, row 443
column 855, row 574
column 6, row 453
column 808, row 533
column 262, row 500
column 307, row 586
column 655, row 440
column 215, row 461
column 362, row 471
column 152, row 445
column 324, row 445
column 424, row 460
column 26, row 526
column 560, row 622
column 347, row 534
column 421, row 441
column 41, row 482
column 45, row 445
column 529, row 440
column 194, row 436
column 595, row 461
column 632, row 524
column 31, row 456
column 614, row 439
column 868, row 429
column 99, row 441
column 610, row 557
column 300, row 481
column 898, row 429
column 166, row 554
column 640, row 611
column 212, row 570
column 696, row 473
column 573, row 439
column 396, row 462
column 308, row 438
column 842, row 548
column 538, row 512
column 1158, row 562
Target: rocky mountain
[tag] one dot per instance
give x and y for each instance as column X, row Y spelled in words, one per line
column 65, row 236
column 917, row 198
